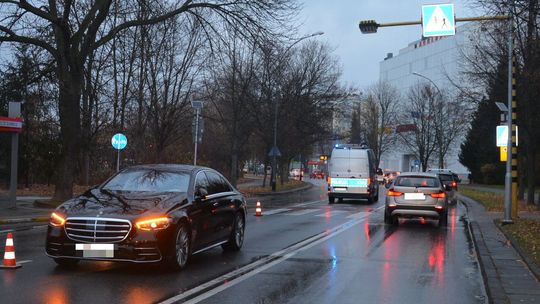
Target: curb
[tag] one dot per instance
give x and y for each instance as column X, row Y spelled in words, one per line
column 535, row 270
column 24, row 220
column 306, row 187
column 492, row 287
column 44, row 204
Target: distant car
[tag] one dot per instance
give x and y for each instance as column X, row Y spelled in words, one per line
column 149, row 213
column 450, row 180
column 317, row 175
column 389, row 176
column 295, row 172
column 380, row 176
column 416, row 194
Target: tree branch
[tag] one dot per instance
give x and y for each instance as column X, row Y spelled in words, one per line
column 13, row 37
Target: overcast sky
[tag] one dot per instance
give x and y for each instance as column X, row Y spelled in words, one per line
column 360, row 54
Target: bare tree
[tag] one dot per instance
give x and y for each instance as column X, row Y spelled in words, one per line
column 70, row 31
column 420, row 138
column 379, row 118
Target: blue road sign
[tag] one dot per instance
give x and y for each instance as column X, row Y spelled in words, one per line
column 274, row 152
column 416, row 162
column 119, row 141
column 438, row 20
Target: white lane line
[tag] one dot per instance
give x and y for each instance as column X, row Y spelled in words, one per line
column 331, row 213
column 307, row 204
column 357, row 215
column 302, row 212
column 24, row 261
column 250, row 270
column 275, row 211
column 8, row 230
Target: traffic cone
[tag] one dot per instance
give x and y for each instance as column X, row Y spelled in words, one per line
column 258, row 209
column 9, row 256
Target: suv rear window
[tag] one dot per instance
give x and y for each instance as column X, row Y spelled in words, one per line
column 446, row 177
column 417, row 181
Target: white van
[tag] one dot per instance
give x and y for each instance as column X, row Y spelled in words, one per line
column 352, row 174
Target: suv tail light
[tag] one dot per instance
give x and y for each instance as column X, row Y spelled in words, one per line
column 391, row 192
column 438, row 195
column 454, row 184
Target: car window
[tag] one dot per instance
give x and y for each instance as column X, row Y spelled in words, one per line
column 417, row 181
column 148, row 180
column 446, row 177
column 216, row 184
column 201, row 181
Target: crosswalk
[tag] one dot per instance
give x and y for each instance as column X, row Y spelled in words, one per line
column 326, row 212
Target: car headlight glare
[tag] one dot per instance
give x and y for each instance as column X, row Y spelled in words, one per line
column 57, row 220
column 157, row 223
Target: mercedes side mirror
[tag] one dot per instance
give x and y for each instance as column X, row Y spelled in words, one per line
column 200, row 194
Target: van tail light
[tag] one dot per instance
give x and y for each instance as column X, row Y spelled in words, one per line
column 393, row 193
column 369, row 181
column 328, row 179
column 438, row 195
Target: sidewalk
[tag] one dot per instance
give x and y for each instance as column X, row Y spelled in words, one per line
column 25, row 211
column 507, row 276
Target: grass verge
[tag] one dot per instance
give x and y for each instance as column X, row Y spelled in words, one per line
column 525, row 232
column 492, row 201
column 291, row 184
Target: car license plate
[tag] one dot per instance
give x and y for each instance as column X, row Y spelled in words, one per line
column 414, row 196
column 95, row 250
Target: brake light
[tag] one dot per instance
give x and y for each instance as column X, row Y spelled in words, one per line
column 328, row 179
column 393, row 193
column 438, row 195
column 454, row 184
column 369, row 181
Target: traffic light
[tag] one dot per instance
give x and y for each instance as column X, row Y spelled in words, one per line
column 368, row 26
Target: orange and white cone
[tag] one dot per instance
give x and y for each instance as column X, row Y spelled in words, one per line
column 258, row 209
column 9, row 254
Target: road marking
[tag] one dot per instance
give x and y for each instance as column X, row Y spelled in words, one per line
column 302, row 212
column 331, row 213
column 307, row 204
column 357, row 215
column 275, row 211
column 8, row 230
column 24, row 261
column 232, row 278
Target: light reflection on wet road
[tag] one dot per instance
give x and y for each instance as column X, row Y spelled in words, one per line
column 370, row 262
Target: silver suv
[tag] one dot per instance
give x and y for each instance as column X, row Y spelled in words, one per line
column 414, row 195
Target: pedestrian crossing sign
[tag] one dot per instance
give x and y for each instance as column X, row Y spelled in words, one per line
column 438, row 20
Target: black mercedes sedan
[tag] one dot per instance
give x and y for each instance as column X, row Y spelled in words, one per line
column 149, row 213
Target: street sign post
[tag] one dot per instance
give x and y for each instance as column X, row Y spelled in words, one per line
column 119, row 142
column 438, row 20
column 197, row 136
column 502, row 136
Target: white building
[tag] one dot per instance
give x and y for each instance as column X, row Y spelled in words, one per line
column 439, row 59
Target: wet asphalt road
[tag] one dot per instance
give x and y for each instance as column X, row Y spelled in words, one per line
column 305, row 252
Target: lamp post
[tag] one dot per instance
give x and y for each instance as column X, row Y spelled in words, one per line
column 274, row 152
column 428, row 79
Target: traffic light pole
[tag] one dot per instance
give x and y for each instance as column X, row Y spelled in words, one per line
column 510, row 193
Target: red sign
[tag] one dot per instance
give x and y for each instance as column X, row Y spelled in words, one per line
column 406, row 128
column 11, row 124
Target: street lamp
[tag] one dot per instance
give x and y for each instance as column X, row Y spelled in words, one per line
column 428, row 79
column 274, row 152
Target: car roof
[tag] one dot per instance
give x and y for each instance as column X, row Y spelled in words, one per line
column 420, row 174
column 169, row 167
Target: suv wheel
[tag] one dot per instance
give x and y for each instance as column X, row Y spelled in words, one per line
column 443, row 219
column 387, row 217
column 331, row 199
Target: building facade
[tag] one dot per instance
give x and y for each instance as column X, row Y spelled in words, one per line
column 438, row 60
